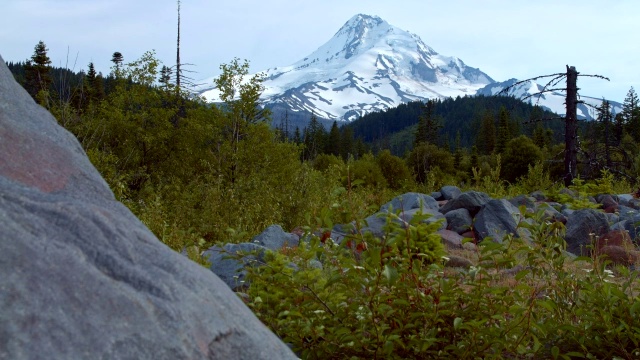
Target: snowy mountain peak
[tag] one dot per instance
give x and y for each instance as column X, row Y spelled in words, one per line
column 368, row 65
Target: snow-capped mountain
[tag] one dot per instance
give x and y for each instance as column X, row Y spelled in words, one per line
column 368, row 65
column 553, row 101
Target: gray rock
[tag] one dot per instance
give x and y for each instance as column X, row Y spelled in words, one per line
column 607, row 200
column 81, row 277
column 632, row 225
column 538, row 195
column 410, row 201
column 520, row 200
column 612, row 218
column 549, row 213
column 459, row 220
column 451, row 239
column 626, row 213
column 437, row 195
column 455, row 261
column 582, row 228
column 229, row 265
column 274, row 238
column 623, row 199
column 470, row 200
column 340, row 232
column 375, row 224
column 433, row 216
column 450, row 192
column 496, row 219
column 634, row 203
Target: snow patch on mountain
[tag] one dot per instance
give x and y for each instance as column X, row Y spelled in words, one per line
column 553, row 101
column 368, row 65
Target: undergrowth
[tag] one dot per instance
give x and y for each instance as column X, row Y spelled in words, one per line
column 393, row 298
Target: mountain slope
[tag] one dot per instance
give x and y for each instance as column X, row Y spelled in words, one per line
column 368, row 65
column 553, row 101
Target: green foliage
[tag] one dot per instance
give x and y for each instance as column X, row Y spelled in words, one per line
column 364, row 171
column 387, row 302
column 394, row 170
column 369, row 305
column 426, row 157
column 580, row 193
column 519, row 154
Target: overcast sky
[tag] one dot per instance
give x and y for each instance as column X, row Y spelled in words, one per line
column 505, row 39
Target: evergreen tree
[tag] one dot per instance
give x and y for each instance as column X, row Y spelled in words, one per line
column 332, row 145
column 486, row 139
column 314, row 138
column 296, row 136
column 631, row 114
column 474, row 157
column 618, row 130
column 503, row 130
column 457, row 155
column 165, row 77
column 38, row 72
column 346, row 142
column 604, row 117
column 117, row 59
column 539, row 136
column 428, row 125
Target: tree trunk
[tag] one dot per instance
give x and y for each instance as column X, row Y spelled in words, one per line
column 571, row 127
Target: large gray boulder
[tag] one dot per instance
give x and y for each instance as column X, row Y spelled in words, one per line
column 274, row 238
column 470, row 200
column 230, row 261
column 82, row 278
column 410, row 201
column 459, row 220
column 583, row 226
column 450, row 192
column 496, row 219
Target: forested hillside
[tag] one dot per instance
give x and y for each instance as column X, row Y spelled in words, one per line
column 179, row 162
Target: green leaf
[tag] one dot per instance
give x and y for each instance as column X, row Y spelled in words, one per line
column 522, row 274
column 456, row 323
column 634, row 308
column 555, row 351
column 390, row 273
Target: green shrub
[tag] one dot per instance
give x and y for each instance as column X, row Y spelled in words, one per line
column 519, row 154
column 394, row 301
column 364, row 171
column 394, row 169
column 425, row 157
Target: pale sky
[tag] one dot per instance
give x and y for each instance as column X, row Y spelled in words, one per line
column 505, row 39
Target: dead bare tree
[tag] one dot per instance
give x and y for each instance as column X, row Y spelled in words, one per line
column 182, row 81
column 570, row 119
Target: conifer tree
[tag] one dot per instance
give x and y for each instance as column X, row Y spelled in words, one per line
column 486, row 139
column 165, row 77
column 474, row 157
column 333, row 140
column 503, row 130
column 631, row 114
column 117, row 59
column 457, row 156
column 38, row 71
column 428, row 125
column 604, row 117
column 346, row 142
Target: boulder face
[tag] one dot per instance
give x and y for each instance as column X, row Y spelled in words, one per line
column 81, row 276
column 583, row 227
column 496, row 219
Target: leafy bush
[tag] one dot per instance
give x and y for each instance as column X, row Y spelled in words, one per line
column 519, row 154
column 522, row 300
column 394, row 169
